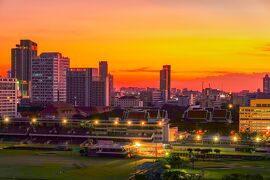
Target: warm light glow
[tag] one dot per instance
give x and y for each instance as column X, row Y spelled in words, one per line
column 96, row 122
column 34, row 120
column 268, row 128
column 6, row 119
column 230, row 106
column 257, row 139
column 129, row 122
column 116, row 122
column 142, row 123
column 64, row 121
column 160, row 123
column 137, row 144
column 235, row 138
column 216, row 138
column 198, row 137
column 180, row 136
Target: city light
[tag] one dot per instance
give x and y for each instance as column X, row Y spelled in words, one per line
column 64, row 121
column 6, row 119
column 116, row 122
column 160, row 123
column 235, row 138
column 34, row 120
column 129, row 122
column 198, row 137
column 180, row 136
column 230, row 106
column 257, row 139
column 216, row 138
column 143, row 123
column 137, row 144
column 96, row 122
column 268, row 128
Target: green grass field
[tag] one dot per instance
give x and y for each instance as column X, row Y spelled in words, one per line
column 38, row 165
column 216, row 169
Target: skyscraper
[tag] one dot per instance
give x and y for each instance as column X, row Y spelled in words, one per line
column 49, row 78
column 103, row 69
column 79, row 82
column 21, row 63
column 165, row 82
column 100, row 92
column 266, row 84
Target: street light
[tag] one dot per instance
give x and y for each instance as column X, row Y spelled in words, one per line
column 64, row 121
column 216, row 138
column 257, row 139
column 160, row 123
column 129, row 122
column 198, row 137
column 6, row 120
column 137, row 144
column 230, row 106
column 142, row 123
column 34, row 120
column 116, row 122
column 235, row 138
column 96, row 122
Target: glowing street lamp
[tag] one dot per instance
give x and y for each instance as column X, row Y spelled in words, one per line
column 143, row 123
column 198, row 137
column 137, row 144
column 216, row 138
column 96, row 122
column 64, row 121
column 181, row 137
column 160, row 123
column 230, row 106
column 129, row 122
column 257, row 139
column 116, row 122
column 34, row 120
column 6, row 120
column 235, row 138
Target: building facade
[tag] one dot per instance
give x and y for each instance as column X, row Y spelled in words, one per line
column 49, row 78
column 100, row 92
column 165, row 82
column 79, row 82
column 21, row 64
column 8, row 97
column 255, row 117
column 266, row 84
column 128, row 102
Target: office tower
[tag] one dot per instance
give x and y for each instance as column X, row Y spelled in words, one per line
column 8, row 97
column 21, row 63
column 255, row 117
column 266, row 84
column 111, row 92
column 49, row 78
column 165, row 82
column 100, row 92
column 79, row 81
column 103, row 69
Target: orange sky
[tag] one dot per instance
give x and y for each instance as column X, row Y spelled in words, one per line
column 224, row 42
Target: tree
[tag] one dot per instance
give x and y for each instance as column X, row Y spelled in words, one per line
column 192, row 160
column 217, row 151
column 175, row 161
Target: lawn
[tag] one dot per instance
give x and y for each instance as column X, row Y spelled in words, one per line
column 39, row 165
column 216, row 169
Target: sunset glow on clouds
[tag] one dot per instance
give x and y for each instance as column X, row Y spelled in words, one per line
column 224, row 42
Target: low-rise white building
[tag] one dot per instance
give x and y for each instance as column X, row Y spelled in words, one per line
column 8, row 97
column 128, row 102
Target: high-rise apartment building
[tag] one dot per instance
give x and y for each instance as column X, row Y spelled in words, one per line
column 8, row 97
column 21, row 64
column 79, row 82
column 266, row 84
column 49, row 78
column 103, row 69
column 165, row 82
column 100, row 92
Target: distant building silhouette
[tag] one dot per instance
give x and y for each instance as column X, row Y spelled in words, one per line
column 165, row 82
column 266, row 84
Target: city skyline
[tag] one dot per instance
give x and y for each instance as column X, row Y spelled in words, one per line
column 234, row 44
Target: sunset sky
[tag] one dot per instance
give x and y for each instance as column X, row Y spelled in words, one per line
column 222, row 42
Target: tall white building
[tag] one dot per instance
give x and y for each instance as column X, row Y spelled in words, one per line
column 8, row 97
column 49, row 73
